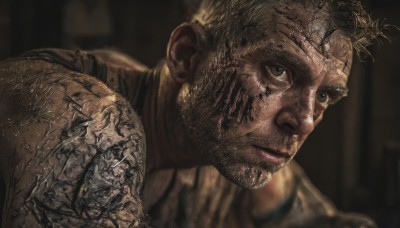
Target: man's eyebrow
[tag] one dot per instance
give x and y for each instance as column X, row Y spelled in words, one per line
column 336, row 92
column 339, row 89
column 280, row 56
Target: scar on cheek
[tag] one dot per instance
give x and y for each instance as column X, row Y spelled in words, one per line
column 233, row 102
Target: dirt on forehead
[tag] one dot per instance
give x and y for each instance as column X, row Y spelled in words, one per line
column 248, row 26
column 312, row 22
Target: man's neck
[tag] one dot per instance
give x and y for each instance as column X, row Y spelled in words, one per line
column 167, row 146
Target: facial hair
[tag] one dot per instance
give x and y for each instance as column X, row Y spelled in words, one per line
column 216, row 104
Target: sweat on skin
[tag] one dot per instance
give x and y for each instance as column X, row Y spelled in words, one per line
column 243, row 101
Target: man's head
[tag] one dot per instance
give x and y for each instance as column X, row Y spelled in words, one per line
column 257, row 76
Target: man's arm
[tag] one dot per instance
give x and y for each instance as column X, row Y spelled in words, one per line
column 118, row 71
column 291, row 200
column 72, row 150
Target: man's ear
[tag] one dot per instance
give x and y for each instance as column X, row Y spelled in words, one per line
column 185, row 49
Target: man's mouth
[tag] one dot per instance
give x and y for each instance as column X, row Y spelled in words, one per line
column 274, row 157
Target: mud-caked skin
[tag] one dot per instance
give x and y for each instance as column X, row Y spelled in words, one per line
column 73, row 151
column 243, row 85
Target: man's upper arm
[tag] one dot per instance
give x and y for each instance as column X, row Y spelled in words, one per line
column 73, row 150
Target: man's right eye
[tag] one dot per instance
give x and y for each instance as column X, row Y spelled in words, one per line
column 277, row 71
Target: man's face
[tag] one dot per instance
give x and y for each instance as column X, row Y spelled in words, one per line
column 250, row 112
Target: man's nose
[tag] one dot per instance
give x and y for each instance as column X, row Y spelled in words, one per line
column 297, row 116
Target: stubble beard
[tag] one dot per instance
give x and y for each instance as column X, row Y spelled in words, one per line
column 241, row 172
column 205, row 130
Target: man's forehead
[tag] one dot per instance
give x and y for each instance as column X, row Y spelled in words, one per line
column 304, row 23
column 310, row 19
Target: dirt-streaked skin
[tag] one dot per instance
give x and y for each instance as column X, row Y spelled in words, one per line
column 75, row 150
column 72, row 150
column 235, row 104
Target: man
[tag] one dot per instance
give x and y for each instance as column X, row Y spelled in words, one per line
column 243, row 85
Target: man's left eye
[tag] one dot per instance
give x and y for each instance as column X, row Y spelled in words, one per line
column 277, row 72
column 322, row 96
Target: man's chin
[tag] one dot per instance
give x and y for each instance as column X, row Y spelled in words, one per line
column 246, row 176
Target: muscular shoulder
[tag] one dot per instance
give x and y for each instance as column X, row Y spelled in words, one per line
column 86, row 61
column 119, row 60
column 73, row 151
column 118, row 71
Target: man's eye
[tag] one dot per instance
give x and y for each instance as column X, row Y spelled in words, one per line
column 277, row 72
column 322, row 96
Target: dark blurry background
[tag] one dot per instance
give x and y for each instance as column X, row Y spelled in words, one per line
column 354, row 155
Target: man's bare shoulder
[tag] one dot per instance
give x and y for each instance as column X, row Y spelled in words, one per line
column 119, row 60
column 120, row 72
column 73, row 150
column 87, row 61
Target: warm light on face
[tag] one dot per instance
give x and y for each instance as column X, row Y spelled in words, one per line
column 252, row 111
